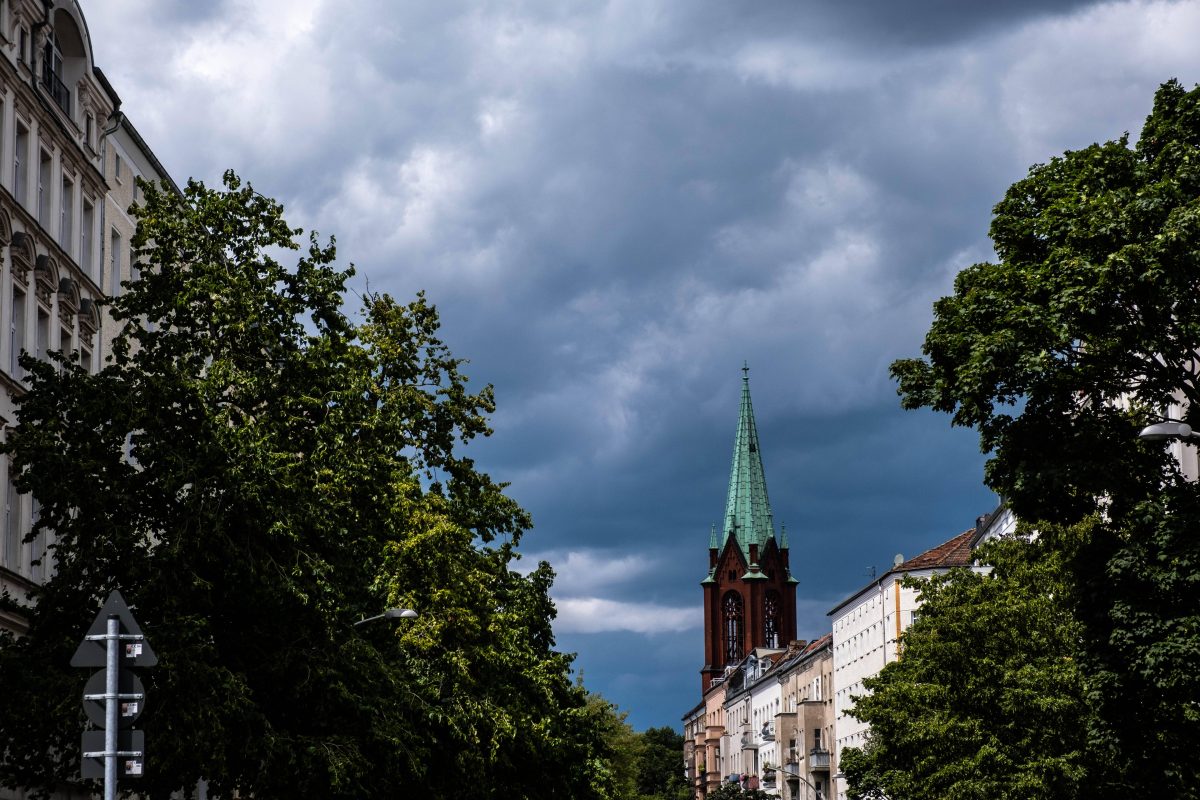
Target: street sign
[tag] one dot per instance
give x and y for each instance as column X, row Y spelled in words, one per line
column 128, row 766
column 129, row 708
column 134, row 652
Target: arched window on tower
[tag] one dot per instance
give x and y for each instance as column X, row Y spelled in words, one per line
column 731, row 609
column 771, row 620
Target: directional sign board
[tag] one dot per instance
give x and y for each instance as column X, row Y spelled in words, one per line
column 127, row 766
column 137, row 653
column 128, row 708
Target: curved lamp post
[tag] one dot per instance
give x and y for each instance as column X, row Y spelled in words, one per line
column 391, row 613
column 802, row 779
column 1166, row 430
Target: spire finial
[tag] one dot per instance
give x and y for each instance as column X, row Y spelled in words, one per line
column 745, row 371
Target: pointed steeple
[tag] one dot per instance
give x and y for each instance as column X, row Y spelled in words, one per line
column 747, row 511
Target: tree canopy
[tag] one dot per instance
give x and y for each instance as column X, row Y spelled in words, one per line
column 987, row 700
column 256, row 472
column 1084, row 329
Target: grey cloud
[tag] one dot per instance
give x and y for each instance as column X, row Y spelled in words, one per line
column 615, row 203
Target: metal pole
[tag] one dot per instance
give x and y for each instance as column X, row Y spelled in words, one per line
column 111, row 685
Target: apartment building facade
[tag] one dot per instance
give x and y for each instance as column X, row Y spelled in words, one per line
column 68, row 163
column 866, row 630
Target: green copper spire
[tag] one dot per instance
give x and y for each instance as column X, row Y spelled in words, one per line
column 747, row 511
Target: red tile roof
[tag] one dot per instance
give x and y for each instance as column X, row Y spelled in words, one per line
column 954, row 553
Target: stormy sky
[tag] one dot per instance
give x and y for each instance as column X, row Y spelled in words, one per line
column 615, row 203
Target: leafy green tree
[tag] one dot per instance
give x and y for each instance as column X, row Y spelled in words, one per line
column 1085, row 328
column 987, row 700
column 256, row 472
column 660, row 768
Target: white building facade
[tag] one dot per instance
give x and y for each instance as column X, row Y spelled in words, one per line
column 866, row 633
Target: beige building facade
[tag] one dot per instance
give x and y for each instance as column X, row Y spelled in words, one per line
column 804, row 731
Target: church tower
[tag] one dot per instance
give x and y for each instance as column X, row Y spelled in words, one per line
column 749, row 594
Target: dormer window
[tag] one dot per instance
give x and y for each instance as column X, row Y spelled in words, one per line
column 52, row 74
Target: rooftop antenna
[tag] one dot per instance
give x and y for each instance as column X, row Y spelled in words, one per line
column 897, row 561
column 871, row 571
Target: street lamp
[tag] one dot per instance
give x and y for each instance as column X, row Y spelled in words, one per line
column 391, row 613
column 1165, row 430
column 796, row 775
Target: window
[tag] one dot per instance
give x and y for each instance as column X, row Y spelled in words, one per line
column 85, row 359
column 66, row 215
column 89, row 131
column 43, row 189
column 114, row 264
column 117, row 165
column 16, row 335
column 52, row 71
column 38, row 566
column 86, row 256
column 43, row 333
column 21, row 165
column 23, row 45
column 771, row 620
column 731, row 609
column 11, row 549
column 65, row 340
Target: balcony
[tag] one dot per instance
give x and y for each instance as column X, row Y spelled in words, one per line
column 818, row 758
column 56, row 89
column 768, row 732
column 749, row 742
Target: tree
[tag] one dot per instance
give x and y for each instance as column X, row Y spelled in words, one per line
column 1085, row 328
column 256, row 472
column 614, row 769
column 660, row 769
column 987, row 700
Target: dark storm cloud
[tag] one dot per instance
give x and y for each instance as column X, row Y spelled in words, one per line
column 614, row 203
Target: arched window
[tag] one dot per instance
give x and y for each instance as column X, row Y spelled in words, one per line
column 731, row 609
column 771, row 620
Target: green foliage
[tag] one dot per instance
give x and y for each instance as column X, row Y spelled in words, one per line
column 256, row 472
column 733, row 791
column 631, row 765
column 987, row 700
column 660, row 771
column 1084, row 330
column 1057, row 352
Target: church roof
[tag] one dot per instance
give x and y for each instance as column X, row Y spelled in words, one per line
column 747, row 510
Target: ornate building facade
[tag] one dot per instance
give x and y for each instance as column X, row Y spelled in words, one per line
column 69, row 160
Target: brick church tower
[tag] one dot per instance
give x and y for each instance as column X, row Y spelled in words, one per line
column 749, row 594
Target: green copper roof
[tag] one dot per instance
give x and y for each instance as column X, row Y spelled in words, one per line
column 747, row 511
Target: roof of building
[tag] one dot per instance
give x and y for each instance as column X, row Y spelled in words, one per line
column 953, row 553
column 801, row 650
column 748, row 517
